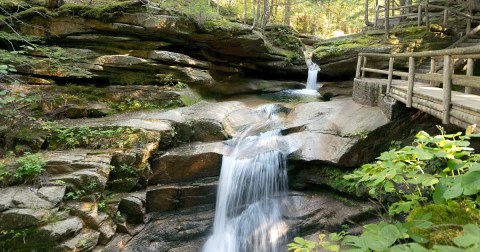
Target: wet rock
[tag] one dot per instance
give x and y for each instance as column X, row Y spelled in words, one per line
column 170, row 197
column 166, row 232
column 208, row 131
column 88, row 212
column 314, row 211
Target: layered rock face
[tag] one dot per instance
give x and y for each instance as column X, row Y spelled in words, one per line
column 113, row 44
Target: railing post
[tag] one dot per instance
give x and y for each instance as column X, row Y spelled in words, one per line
column 445, row 17
column 427, row 18
column 390, row 75
column 359, row 66
column 469, row 26
column 364, row 64
column 387, row 19
column 468, row 90
column 447, row 88
column 433, row 69
column 419, row 15
column 411, row 81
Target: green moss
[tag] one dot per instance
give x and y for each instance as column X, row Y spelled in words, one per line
column 31, row 12
column 101, row 12
column 222, row 25
column 447, row 221
column 13, row 6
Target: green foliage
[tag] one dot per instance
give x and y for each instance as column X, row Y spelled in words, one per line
column 11, row 102
column 105, row 12
column 97, row 138
column 30, row 166
column 412, row 173
column 443, row 169
column 132, row 104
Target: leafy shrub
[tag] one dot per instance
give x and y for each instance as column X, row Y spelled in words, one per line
column 30, row 166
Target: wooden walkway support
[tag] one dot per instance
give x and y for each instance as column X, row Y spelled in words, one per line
column 414, row 89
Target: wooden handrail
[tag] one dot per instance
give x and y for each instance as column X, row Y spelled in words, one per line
column 447, row 78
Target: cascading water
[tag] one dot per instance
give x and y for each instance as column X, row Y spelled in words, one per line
column 251, row 193
column 313, row 70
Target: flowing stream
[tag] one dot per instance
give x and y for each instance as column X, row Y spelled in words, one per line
column 252, row 193
column 313, row 70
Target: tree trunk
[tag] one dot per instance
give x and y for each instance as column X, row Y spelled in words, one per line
column 218, row 7
column 286, row 17
column 266, row 14
column 245, row 11
column 254, row 13
column 53, row 3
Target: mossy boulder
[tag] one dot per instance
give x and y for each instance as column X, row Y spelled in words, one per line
column 338, row 57
column 447, row 222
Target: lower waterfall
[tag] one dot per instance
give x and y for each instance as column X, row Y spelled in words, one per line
column 251, row 195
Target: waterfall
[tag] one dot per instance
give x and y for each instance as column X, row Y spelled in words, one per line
column 251, row 193
column 313, row 70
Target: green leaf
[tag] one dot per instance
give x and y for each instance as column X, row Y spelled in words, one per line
column 454, row 191
column 444, row 248
column 471, row 236
column 455, row 164
column 388, row 186
column 471, row 182
column 408, row 247
column 439, row 194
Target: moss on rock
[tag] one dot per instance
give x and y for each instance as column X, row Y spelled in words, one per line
column 447, row 222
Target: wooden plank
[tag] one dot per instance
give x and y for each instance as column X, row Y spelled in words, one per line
column 411, row 80
column 447, row 88
column 466, row 81
column 429, row 77
column 454, row 51
column 364, row 63
column 373, row 70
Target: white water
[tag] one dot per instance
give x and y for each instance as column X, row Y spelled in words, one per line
column 251, row 192
column 313, row 70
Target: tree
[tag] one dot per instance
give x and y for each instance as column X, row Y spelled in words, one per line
column 53, row 3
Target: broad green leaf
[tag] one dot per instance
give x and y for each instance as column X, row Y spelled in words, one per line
column 408, row 247
column 444, row 248
column 471, row 235
column 455, row 164
column 471, row 182
column 438, row 196
column 422, row 154
column 454, row 191
column 388, row 186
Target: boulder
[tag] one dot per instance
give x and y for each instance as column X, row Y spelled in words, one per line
column 163, row 198
column 46, row 197
column 118, row 243
column 133, row 206
column 59, row 162
column 59, row 231
column 84, row 241
column 23, row 218
column 178, row 58
column 186, row 163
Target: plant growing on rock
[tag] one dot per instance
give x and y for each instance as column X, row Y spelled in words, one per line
column 436, row 181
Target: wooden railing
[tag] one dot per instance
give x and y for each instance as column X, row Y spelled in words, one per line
column 419, row 11
column 447, row 78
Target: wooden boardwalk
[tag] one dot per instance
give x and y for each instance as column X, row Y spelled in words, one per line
column 412, row 87
column 464, row 108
